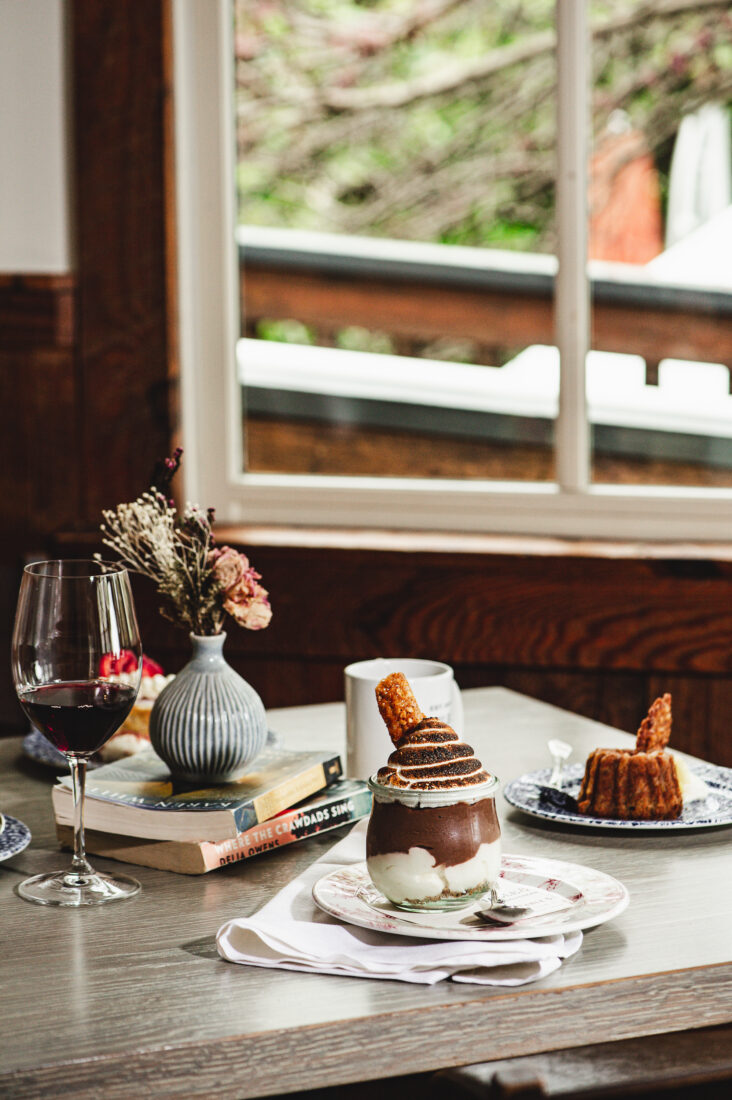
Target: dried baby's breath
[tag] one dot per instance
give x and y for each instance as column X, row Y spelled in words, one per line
column 199, row 584
column 173, row 552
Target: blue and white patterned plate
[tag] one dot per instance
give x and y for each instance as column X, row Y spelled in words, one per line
column 714, row 810
column 36, row 747
column 14, row 838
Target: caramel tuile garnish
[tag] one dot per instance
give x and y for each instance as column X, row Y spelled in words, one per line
column 397, row 705
column 655, row 729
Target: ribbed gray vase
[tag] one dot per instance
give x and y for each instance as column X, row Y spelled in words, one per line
column 208, row 723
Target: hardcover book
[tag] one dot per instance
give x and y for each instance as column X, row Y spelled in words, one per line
column 139, row 797
column 345, row 801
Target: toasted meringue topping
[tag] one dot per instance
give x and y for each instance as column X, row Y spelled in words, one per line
column 429, row 757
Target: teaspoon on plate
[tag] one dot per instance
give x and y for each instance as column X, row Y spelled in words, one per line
column 500, row 912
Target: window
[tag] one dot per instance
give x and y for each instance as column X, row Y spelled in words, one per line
column 571, row 505
column 395, row 169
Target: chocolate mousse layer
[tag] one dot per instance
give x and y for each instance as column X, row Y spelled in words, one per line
column 451, row 834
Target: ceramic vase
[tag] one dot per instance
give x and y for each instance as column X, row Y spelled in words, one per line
column 208, row 723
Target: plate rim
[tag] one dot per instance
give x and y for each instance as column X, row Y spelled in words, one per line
column 488, row 934
column 25, row 838
column 713, row 773
column 31, row 738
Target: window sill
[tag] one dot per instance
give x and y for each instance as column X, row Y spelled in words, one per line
column 443, row 542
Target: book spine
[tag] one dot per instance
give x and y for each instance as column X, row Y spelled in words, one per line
column 287, row 828
column 287, row 794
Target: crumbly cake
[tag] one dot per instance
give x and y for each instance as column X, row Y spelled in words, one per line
column 635, row 784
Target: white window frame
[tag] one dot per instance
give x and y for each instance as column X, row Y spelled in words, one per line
column 208, row 293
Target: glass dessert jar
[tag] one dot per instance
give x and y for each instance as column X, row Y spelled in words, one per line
column 433, row 849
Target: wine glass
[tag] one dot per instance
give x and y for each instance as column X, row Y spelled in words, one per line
column 75, row 626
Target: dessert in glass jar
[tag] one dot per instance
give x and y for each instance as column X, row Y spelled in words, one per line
column 433, row 840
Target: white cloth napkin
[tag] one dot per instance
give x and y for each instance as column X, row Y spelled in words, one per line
column 292, row 932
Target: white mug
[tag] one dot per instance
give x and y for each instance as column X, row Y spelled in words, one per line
column 367, row 741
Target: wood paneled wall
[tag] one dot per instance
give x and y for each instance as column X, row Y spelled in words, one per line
column 599, row 630
column 39, row 427
column 40, row 486
column 123, row 197
column 87, row 364
column 601, row 635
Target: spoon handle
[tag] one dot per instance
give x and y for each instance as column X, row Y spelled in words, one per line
column 560, row 753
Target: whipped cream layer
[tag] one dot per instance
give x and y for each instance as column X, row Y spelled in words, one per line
column 150, row 686
column 431, row 757
column 416, row 877
column 693, row 787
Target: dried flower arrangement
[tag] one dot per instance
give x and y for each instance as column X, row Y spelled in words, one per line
column 200, row 583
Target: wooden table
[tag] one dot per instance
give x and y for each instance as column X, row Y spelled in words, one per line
column 132, row 999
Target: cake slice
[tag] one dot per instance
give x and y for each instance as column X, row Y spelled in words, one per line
column 640, row 784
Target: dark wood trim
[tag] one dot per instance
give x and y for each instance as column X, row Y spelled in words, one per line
column 170, row 213
column 121, row 84
column 36, row 311
column 39, row 467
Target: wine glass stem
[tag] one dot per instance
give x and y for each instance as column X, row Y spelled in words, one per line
column 79, row 863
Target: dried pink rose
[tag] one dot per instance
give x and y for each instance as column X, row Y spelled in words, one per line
column 246, row 588
column 244, row 598
column 254, row 614
column 229, row 566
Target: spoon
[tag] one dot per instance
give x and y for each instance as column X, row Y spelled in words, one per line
column 500, row 912
column 561, row 752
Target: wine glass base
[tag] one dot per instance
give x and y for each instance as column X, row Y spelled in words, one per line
column 77, row 891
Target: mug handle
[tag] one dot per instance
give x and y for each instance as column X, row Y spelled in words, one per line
column 457, row 714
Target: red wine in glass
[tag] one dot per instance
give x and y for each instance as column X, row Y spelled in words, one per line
column 77, row 664
column 78, row 717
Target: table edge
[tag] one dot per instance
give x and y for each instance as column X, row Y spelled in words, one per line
column 449, row 1035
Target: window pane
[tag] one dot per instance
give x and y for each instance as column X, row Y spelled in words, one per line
column 395, row 197
column 660, row 374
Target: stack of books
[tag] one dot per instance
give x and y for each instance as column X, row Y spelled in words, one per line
column 136, row 812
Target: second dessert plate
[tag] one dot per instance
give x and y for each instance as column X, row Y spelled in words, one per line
column 704, row 813
column 564, row 897
column 14, row 838
column 37, row 747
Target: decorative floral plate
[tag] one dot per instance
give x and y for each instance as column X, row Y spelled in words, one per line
column 716, row 809
column 564, row 897
column 36, row 747
column 14, row 837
